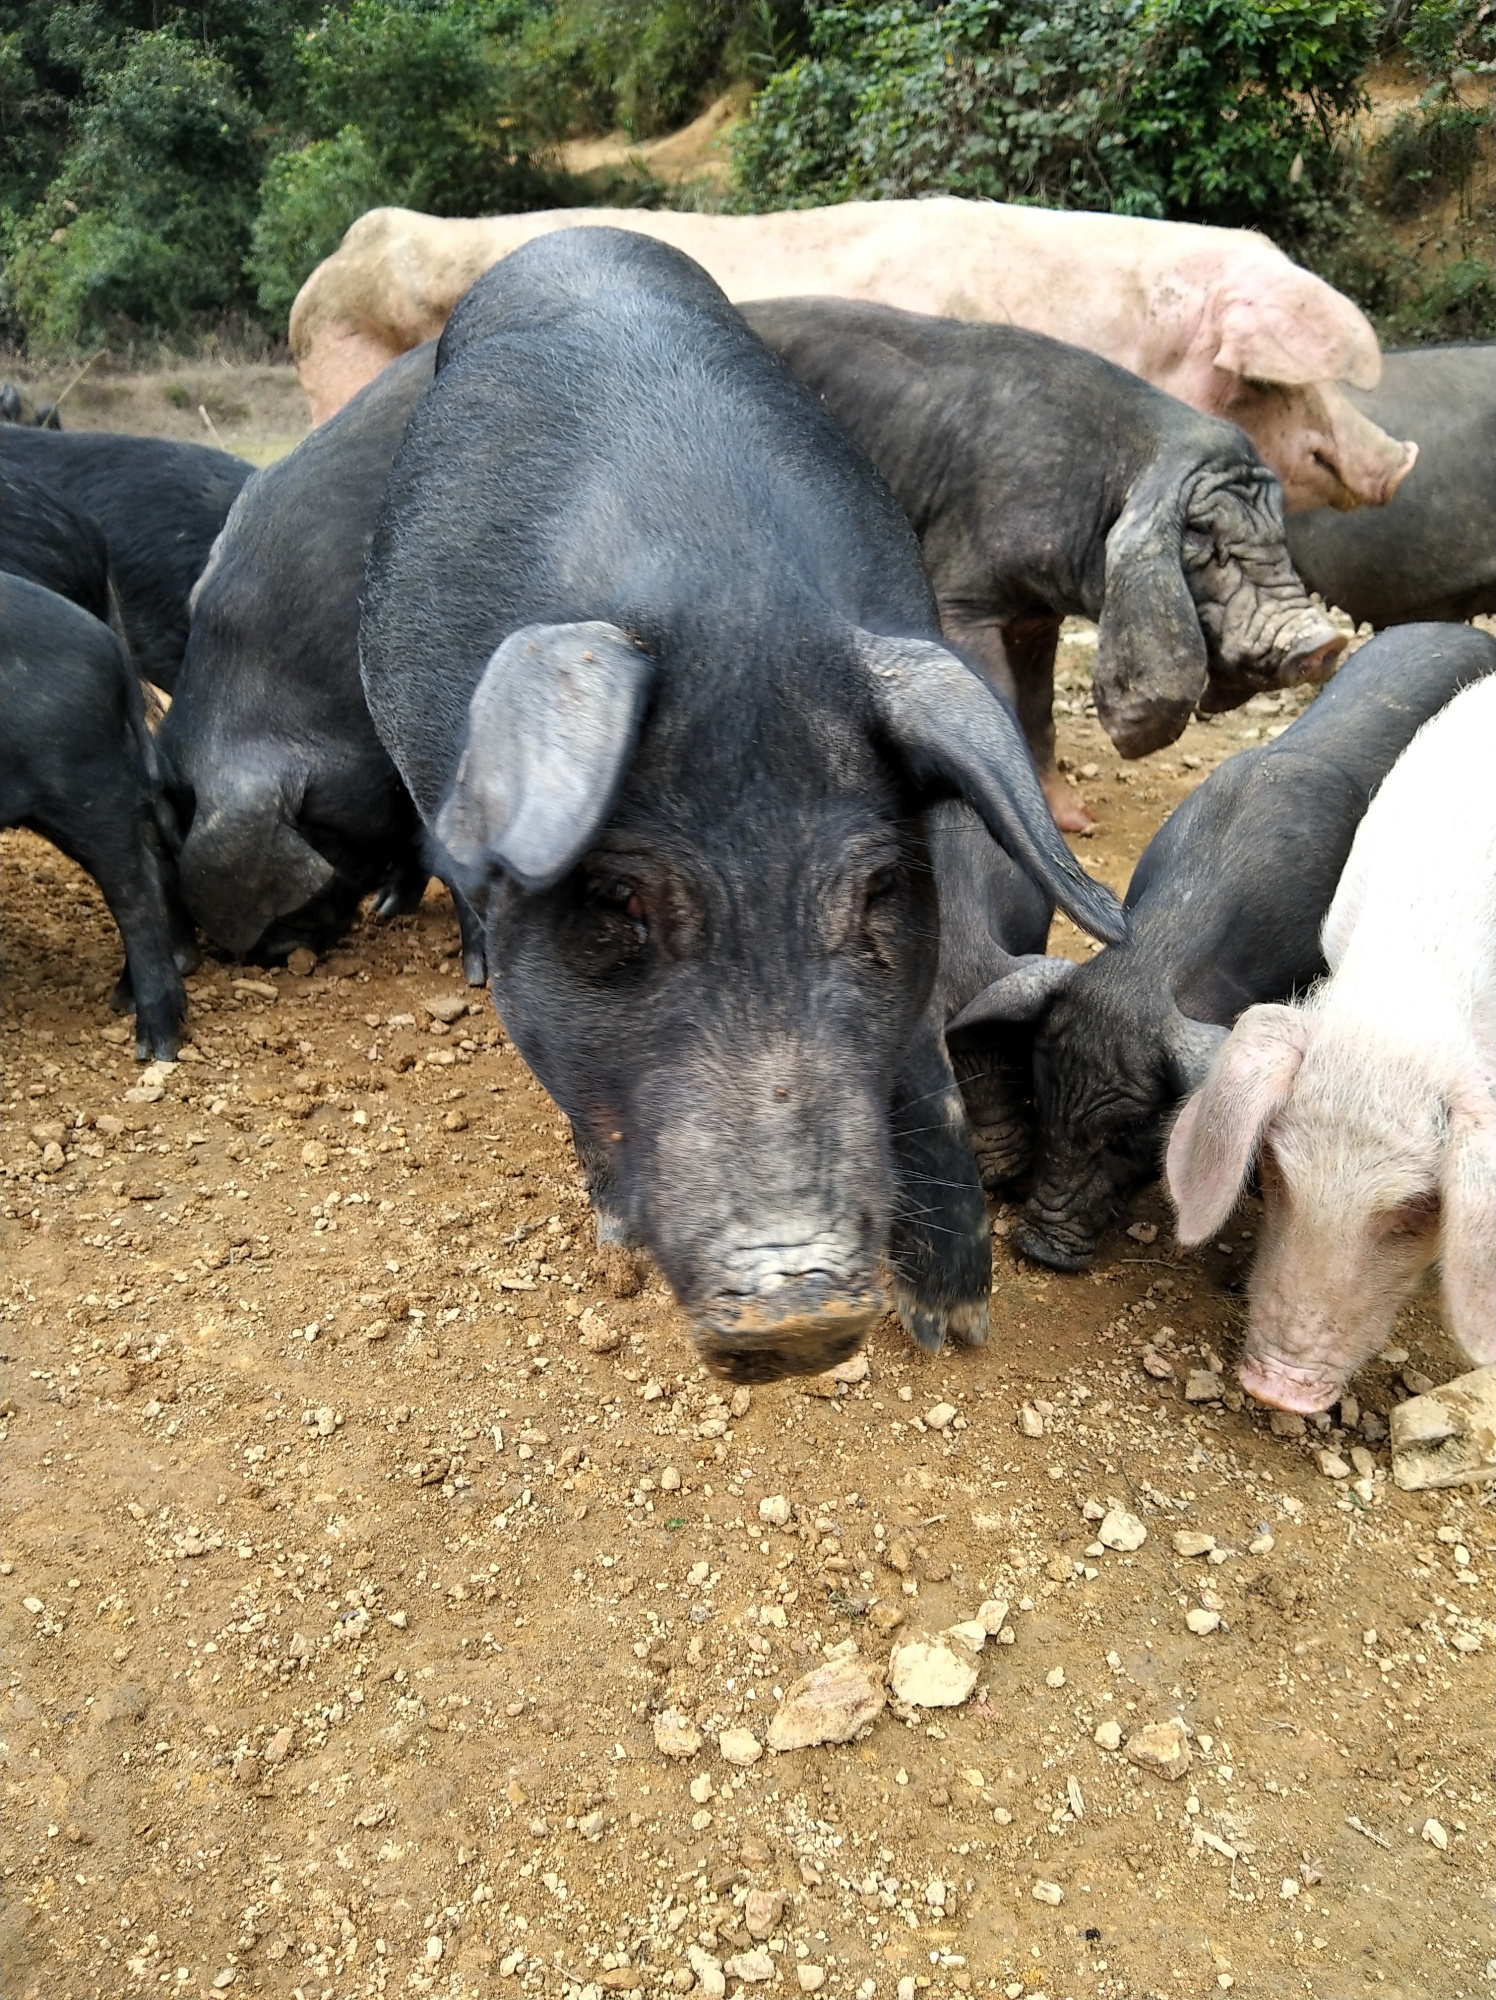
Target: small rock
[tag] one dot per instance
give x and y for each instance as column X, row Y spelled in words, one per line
column 1121, row 1531
column 972, row 1632
column 447, row 1007
column 675, row 1735
column 223, row 1980
column 1201, row 1621
column 1363, row 1460
column 1414, row 1380
column 811, row 1977
column 596, row 1335
column 709, row 1974
column 1108, row 1734
column 1202, row 1385
column 1048, row 1892
column 1192, row 1542
column 1435, row 1835
column 742, row 1401
column 1350, row 1413
column 670, row 1480
column 775, row 1511
column 1055, row 1678
column 455, row 1121
column 1154, row 1364
column 885, row 1617
column 1030, row 1422
column 933, row 1673
column 1143, row 1232
column 434, row 1950
column 994, row 1615
column 1286, row 1424
column 762, row 1911
column 831, row 1704
column 278, row 1748
column 314, row 1154
column 740, row 1747
column 753, row 1966
column 1331, row 1464
column 590, row 1825
column 702, row 1788
column 851, row 1372
column 1373, row 1427
column 940, row 1417
column 1162, row 1747
column 1093, row 1511
column 1261, row 1545
column 1288, row 1888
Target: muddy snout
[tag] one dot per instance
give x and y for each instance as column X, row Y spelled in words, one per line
column 800, row 1326
column 1311, row 658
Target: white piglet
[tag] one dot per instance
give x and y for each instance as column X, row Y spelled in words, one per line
column 1371, row 1106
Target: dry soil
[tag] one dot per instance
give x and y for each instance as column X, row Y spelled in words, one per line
column 342, row 1582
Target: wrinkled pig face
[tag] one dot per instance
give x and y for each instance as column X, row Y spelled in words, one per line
column 1101, row 1083
column 721, row 1008
column 1260, row 628
column 1351, row 1224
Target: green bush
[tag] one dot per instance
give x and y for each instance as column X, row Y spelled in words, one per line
column 309, row 199
column 148, row 221
column 1209, row 110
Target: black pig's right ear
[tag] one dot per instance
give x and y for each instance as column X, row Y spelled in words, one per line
column 551, row 732
column 1150, row 654
column 1022, row 992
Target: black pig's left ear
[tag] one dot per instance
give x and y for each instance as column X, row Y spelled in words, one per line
column 551, row 732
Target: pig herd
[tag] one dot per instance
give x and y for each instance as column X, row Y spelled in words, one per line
column 706, row 655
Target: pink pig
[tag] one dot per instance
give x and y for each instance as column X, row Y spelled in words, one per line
column 1371, row 1106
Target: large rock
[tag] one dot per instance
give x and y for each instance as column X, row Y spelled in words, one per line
column 1448, row 1436
column 832, row 1704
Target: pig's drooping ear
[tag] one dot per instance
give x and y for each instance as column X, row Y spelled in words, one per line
column 1021, row 992
column 245, row 862
column 1293, row 328
column 952, row 729
column 1150, row 651
column 1467, row 1235
column 551, row 732
column 1216, row 1136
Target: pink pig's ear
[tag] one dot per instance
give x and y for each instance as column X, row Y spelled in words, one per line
column 1468, row 1226
column 1215, row 1139
column 1282, row 324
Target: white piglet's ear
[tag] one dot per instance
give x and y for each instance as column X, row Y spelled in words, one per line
column 552, row 727
column 1216, row 1136
column 1467, row 1238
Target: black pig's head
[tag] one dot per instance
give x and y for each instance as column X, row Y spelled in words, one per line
column 715, row 935
column 1203, row 607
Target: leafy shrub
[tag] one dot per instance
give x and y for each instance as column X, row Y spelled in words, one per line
column 148, row 222
column 1213, row 110
column 308, row 201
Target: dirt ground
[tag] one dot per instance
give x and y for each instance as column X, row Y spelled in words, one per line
column 256, row 410
column 342, row 1581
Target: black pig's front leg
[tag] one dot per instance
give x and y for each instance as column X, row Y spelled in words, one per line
column 939, row 1245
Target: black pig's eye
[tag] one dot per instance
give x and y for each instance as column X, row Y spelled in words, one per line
column 880, row 885
column 622, row 899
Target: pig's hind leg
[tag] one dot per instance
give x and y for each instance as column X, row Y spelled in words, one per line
column 939, row 1244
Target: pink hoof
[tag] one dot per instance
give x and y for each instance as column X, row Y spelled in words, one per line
column 1071, row 813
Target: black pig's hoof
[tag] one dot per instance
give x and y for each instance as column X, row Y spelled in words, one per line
column 930, row 1322
column 475, row 965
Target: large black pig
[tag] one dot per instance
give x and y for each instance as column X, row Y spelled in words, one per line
column 1224, row 909
column 1045, row 482
column 79, row 768
column 160, row 506
column 651, row 645
column 292, row 809
column 1431, row 551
